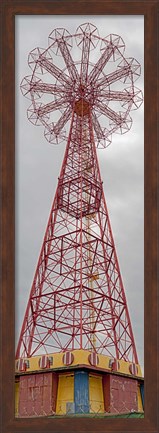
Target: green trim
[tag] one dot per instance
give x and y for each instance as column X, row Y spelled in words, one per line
column 102, row 415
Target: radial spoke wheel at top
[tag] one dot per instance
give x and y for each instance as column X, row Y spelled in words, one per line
column 81, row 90
column 62, row 84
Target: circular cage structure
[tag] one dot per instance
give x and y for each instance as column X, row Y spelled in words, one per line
column 85, row 74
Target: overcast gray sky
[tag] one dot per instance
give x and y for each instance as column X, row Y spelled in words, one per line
column 38, row 164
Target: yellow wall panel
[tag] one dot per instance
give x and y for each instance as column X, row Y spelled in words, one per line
column 65, row 392
column 96, row 394
column 140, row 407
column 81, row 358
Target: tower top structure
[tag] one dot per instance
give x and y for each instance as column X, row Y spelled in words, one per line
column 86, row 74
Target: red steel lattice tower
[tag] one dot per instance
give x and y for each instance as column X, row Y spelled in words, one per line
column 77, row 299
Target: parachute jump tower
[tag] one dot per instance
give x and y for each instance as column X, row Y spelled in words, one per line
column 76, row 350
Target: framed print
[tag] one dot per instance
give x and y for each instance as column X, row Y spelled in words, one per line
column 84, row 96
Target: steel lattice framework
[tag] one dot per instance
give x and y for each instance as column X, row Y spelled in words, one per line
column 77, row 298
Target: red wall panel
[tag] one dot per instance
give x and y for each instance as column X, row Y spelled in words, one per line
column 37, row 394
column 120, row 394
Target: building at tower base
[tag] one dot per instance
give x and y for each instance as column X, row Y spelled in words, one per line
column 78, row 382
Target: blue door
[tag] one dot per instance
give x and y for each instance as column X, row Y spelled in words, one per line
column 81, row 392
column 142, row 393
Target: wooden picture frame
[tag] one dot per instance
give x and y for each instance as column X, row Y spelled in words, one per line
column 9, row 9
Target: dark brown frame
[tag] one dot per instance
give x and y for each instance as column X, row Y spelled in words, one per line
column 150, row 9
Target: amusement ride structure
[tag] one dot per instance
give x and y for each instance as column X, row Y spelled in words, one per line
column 77, row 303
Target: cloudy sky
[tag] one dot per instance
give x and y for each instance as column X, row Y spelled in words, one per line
column 38, row 164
